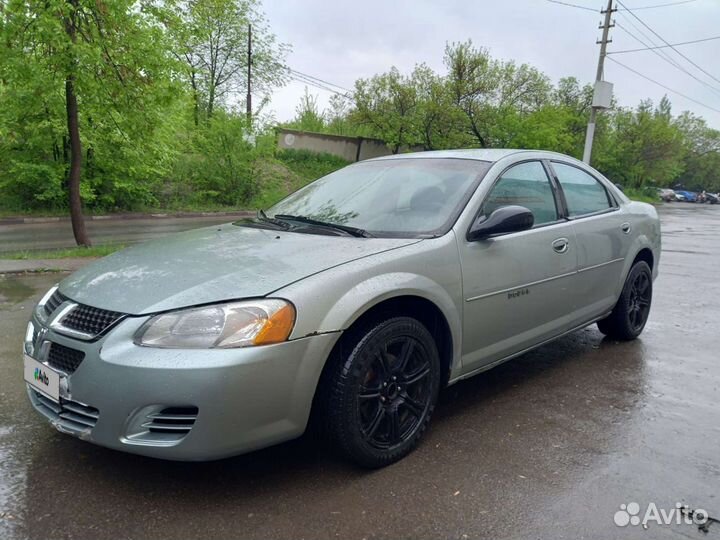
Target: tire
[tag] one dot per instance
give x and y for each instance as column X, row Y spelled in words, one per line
column 628, row 317
column 380, row 391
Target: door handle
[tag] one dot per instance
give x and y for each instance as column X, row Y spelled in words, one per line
column 626, row 228
column 560, row 245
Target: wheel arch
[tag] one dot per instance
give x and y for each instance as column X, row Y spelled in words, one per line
column 417, row 307
column 645, row 254
column 407, row 304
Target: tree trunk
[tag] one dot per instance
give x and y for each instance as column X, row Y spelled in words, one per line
column 71, row 105
column 76, row 215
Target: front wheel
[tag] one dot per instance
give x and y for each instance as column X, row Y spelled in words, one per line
column 628, row 317
column 382, row 391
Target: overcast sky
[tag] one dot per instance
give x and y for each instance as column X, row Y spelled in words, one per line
column 342, row 40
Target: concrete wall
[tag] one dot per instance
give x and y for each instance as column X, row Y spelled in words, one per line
column 348, row 148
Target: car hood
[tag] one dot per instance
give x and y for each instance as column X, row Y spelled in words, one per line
column 211, row 265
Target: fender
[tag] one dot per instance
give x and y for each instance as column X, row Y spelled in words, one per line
column 331, row 301
column 371, row 292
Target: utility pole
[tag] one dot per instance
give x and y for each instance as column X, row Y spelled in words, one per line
column 603, row 91
column 249, row 74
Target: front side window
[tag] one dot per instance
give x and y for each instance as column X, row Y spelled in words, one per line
column 584, row 194
column 525, row 185
column 404, row 197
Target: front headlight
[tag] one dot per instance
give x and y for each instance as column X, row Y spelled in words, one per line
column 236, row 324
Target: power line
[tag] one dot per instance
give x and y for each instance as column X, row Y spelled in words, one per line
column 308, row 80
column 668, row 44
column 663, row 55
column 319, row 80
column 572, row 5
column 661, row 5
column 568, row 4
column 665, row 46
column 316, row 85
column 664, row 86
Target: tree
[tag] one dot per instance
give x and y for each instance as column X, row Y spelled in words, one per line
column 211, row 39
column 491, row 93
column 438, row 121
column 702, row 153
column 645, row 146
column 307, row 114
column 387, row 105
column 96, row 65
column 336, row 115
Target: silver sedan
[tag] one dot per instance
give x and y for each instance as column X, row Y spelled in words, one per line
column 351, row 302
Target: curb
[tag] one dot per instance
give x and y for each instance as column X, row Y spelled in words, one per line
column 54, row 219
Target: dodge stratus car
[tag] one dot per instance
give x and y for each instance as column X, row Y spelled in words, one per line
column 353, row 302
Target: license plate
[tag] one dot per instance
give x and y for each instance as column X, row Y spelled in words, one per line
column 42, row 378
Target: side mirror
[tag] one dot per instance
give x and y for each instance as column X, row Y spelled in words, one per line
column 505, row 219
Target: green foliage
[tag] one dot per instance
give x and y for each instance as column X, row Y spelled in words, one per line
column 484, row 102
column 210, row 37
column 161, row 93
column 220, row 169
column 123, row 80
column 144, row 142
column 310, row 165
column 308, row 116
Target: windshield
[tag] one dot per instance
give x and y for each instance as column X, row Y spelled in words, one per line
column 393, row 197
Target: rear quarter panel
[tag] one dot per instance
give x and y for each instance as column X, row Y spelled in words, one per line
column 646, row 234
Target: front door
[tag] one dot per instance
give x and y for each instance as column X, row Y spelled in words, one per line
column 517, row 287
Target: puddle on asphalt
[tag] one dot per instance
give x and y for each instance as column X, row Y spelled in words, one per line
column 12, row 290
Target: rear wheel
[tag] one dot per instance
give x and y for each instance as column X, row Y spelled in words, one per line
column 382, row 391
column 631, row 312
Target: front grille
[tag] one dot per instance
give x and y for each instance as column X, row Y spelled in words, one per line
column 90, row 320
column 53, row 302
column 64, row 358
column 71, row 415
column 175, row 422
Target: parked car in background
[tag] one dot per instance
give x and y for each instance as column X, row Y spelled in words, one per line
column 355, row 299
column 706, row 197
column 685, row 196
column 667, row 195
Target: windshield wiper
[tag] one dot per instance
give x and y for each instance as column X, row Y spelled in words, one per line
column 262, row 216
column 352, row 231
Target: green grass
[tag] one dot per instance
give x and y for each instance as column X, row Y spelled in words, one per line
column 310, row 165
column 64, row 253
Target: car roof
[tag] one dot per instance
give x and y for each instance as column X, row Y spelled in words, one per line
column 481, row 154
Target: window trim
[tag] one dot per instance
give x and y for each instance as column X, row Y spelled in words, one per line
column 557, row 197
column 614, row 205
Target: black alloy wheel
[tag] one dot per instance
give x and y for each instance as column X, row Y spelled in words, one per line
column 629, row 316
column 381, row 391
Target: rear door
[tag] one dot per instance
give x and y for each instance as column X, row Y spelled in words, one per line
column 603, row 235
column 517, row 286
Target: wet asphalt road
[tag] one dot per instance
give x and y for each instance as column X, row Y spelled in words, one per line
column 53, row 235
column 548, row 445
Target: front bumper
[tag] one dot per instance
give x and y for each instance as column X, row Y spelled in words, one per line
column 221, row 402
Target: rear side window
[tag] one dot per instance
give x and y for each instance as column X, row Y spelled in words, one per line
column 584, row 194
column 525, row 185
